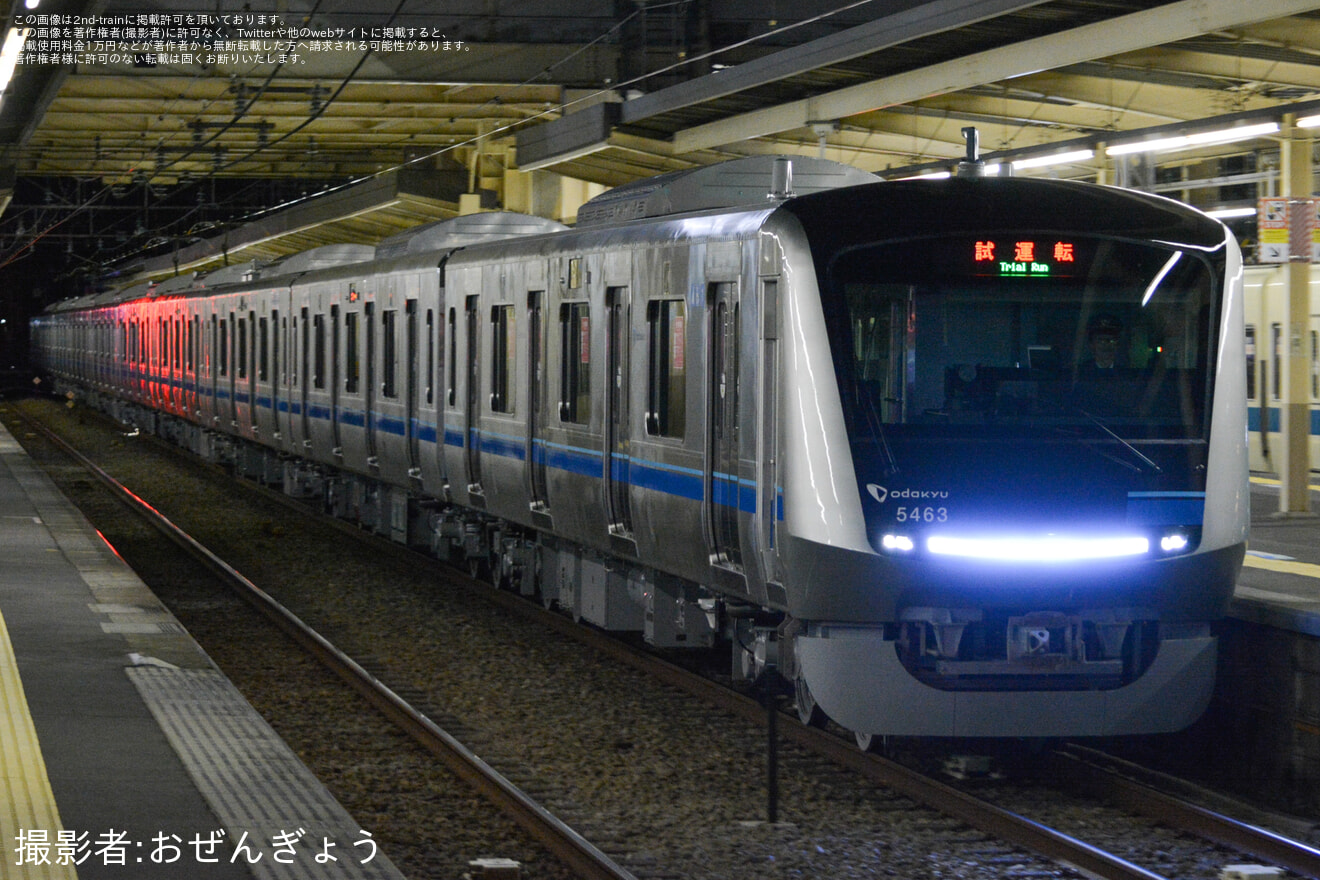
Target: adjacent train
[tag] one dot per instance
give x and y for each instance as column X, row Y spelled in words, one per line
column 962, row 458
column 1271, row 336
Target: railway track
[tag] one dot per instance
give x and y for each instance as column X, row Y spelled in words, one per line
column 1001, row 823
column 566, row 844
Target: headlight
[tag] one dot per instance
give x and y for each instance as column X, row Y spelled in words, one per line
column 898, row 543
column 1174, row 542
column 1045, row 548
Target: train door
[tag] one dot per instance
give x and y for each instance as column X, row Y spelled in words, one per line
column 335, row 365
column 472, row 397
column 286, row 374
column 247, row 374
column 441, row 332
column 208, row 367
column 445, row 383
column 617, row 451
column 722, row 425
column 264, row 384
column 273, row 374
column 767, row 453
column 228, row 367
column 369, row 389
column 194, row 362
column 412, row 391
column 536, row 396
column 176, row 364
column 303, row 336
column 156, row 327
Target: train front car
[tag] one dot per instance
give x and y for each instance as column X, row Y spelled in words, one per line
column 1036, row 498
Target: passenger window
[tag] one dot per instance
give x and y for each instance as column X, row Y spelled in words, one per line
column 318, row 360
column 389, row 353
column 224, row 347
column 351, row 365
column 430, row 356
column 263, row 349
column 575, row 363
column 452, row 360
column 503, row 355
column 1251, row 362
column 242, row 354
column 666, row 389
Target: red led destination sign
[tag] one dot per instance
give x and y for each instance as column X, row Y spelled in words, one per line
column 1025, row 258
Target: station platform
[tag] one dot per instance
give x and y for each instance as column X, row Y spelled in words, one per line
column 1280, row 581
column 125, row 753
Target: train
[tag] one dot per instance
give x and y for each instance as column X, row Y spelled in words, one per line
column 1268, row 343
column 955, row 458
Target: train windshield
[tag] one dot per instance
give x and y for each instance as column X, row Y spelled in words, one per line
column 1023, row 336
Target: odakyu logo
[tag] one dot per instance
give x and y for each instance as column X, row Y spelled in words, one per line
column 882, row 494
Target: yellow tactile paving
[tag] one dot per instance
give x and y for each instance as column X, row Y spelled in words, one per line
column 27, row 804
column 1284, row 566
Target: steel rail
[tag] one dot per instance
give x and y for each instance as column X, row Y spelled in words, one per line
column 979, row 814
column 1083, row 766
column 1003, row 824
column 982, row 815
column 572, row 848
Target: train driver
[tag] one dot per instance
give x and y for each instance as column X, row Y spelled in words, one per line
column 1102, row 333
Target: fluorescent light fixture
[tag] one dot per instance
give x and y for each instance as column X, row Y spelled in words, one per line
column 1308, row 122
column 1054, row 159
column 9, row 54
column 1229, row 213
column 929, row 175
column 1200, row 139
column 1046, row 548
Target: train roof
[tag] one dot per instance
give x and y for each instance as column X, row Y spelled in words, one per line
column 326, row 257
column 176, row 284
column 234, row 274
column 736, row 183
column 124, row 294
column 465, row 230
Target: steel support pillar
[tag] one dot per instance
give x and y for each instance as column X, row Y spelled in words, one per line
column 1293, row 456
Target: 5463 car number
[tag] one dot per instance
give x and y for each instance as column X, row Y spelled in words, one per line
column 920, row 513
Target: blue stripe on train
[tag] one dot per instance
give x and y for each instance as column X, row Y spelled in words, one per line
column 1275, row 414
column 727, row 489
